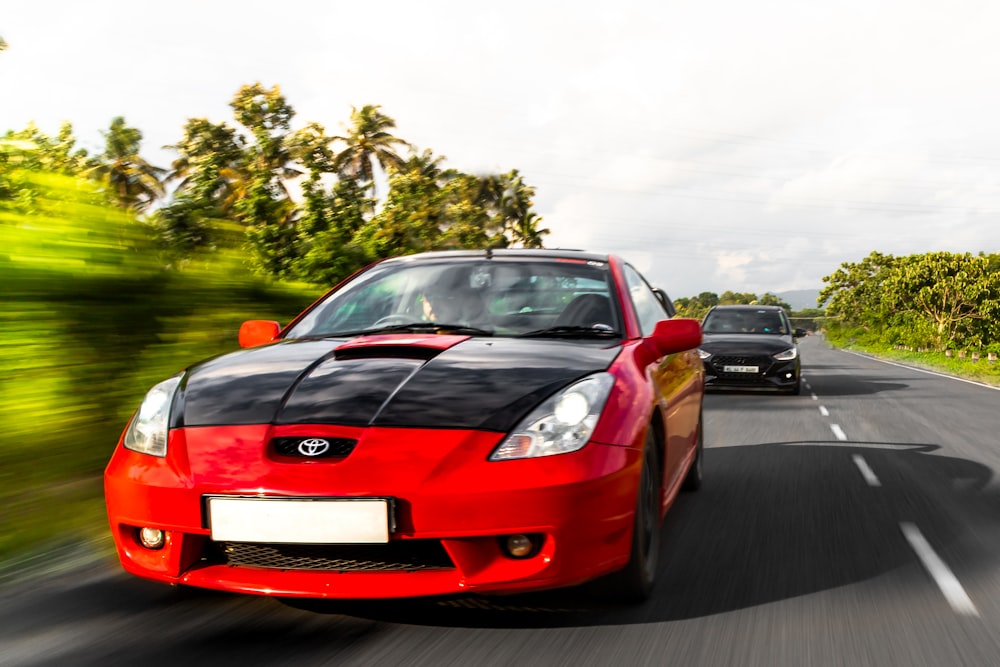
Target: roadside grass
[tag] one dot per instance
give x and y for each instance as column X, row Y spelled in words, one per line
column 65, row 400
column 981, row 370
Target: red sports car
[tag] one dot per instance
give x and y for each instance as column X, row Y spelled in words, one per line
column 450, row 422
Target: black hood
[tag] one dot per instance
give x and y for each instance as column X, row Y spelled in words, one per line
column 745, row 343
column 475, row 383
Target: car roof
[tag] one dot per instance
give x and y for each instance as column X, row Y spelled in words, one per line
column 744, row 306
column 500, row 253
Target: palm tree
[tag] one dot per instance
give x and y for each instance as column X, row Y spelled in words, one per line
column 368, row 142
column 205, row 151
column 525, row 231
column 133, row 182
column 513, row 199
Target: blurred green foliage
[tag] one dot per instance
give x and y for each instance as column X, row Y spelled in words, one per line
column 89, row 319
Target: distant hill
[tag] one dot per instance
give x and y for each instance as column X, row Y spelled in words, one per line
column 800, row 299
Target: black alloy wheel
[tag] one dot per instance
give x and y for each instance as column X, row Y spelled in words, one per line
column 634, row 583
column 692, row 481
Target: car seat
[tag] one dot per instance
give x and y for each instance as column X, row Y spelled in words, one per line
column 586, row 310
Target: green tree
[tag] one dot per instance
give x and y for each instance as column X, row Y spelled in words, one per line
column 769, row 299
column 195, row 217
column 131, row 181
column 854, row 292
column 37, row 150
column 951, row 292
column 206, row 151
column 730, row 298
column 414, row 217
column 368, row 142
column 518, row 219
column 259, row 194
column 696, row 306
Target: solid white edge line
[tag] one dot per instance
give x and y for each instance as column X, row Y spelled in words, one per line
column 866, row 470
column 942, row 576
column 823, row 411
column 839, row 432
column 923, row 370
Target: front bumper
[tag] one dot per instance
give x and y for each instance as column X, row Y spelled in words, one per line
column 452, row 508
column 770, row 374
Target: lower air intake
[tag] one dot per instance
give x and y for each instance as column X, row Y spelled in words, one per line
column 402, row 555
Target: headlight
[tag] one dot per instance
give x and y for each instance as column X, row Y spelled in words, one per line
column 147, row 433
column 703, row 354
column 563, row 423
column 787, row 355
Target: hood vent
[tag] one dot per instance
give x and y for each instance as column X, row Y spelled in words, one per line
column 386, row 352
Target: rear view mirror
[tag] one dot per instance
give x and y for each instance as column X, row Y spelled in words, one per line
column 675, row 335
column 258, row 332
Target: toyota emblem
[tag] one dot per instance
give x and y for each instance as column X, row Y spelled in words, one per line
column 314, row 447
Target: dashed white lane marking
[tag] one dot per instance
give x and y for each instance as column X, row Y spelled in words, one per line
column 839, row 432
column 815, row 397
column 866, row 470
column 823, row 411
column 942, row 576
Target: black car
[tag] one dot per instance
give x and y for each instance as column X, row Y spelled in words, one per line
column 750, row 347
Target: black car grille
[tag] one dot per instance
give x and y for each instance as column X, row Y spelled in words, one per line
column 719, row 363
column 402, row 555
column 338, row 447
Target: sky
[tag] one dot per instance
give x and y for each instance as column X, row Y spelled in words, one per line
column 715, row 144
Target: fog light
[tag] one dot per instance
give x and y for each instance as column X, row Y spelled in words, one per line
column 522, row 546
column 151, row 538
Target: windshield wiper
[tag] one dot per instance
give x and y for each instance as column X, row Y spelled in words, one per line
column 572, row 332
column 417, row 327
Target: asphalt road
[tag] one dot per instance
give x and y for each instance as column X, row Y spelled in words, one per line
column 856, row 524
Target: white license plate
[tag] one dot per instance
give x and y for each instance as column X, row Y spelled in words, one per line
column 740, row 369
column 299, row 521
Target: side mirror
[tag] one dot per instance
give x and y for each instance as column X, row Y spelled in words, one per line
column 258, row 332
column 675, row 335
column 799, row 333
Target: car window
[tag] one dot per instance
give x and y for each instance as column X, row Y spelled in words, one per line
column 648, row 307
column 746, row 320
column 501, row 297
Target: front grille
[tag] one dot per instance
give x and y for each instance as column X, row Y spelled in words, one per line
column 338, row 449
column 401, row 555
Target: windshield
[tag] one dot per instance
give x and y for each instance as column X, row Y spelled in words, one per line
column 557, row 298
column 744, row 321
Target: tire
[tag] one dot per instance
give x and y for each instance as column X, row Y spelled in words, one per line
column 634, row 583
column 692, row 481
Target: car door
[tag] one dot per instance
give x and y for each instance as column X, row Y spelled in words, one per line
column 677, row 378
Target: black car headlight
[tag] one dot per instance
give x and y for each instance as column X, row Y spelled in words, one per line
column 787, row 355
column 147, row 433
column 563, row 423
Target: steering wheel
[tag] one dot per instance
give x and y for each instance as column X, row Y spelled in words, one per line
column 395, row 318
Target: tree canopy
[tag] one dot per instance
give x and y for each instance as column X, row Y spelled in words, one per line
column 936, row 300
column 300, row 203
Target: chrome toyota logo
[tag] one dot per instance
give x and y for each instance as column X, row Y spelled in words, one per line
column 314, row 447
